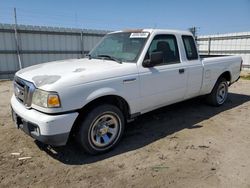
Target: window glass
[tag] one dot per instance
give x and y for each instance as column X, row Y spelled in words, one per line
column 124, row 46
column 166, row 44
column 190, row 48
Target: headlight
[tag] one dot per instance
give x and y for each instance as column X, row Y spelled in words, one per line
column 46, row 99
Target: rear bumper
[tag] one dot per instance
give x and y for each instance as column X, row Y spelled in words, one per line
column 49, row 129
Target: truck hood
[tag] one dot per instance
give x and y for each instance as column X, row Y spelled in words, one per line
column 49, row 76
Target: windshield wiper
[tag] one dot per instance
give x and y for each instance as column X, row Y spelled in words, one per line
column 110, row 58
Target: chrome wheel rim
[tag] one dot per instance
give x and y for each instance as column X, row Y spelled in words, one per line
column 222, row 93
column 104, row 130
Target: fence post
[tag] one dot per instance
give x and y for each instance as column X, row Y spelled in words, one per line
column 82, row 44
column 17, row 42
column 209, row 45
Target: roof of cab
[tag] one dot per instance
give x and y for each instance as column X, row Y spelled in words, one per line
column 181, row 32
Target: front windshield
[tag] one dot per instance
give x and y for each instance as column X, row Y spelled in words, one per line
column 123, row 46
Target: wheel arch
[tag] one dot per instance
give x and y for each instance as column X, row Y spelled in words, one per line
column 112, row 99
column 212, row 96
column 226, row 75
column 115, row 100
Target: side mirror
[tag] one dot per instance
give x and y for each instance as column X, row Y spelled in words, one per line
column 155, row 58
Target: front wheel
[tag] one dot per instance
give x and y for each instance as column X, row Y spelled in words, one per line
column 101, row 129
column 219, row 93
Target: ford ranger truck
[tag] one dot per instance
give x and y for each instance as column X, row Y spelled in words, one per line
column 127, row 74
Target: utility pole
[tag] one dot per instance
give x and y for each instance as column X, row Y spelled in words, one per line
column 17, row 41
column 193, row 30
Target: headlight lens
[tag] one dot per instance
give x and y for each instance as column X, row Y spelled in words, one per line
column 46, row 99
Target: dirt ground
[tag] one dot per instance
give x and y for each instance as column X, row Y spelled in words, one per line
column 189, row 144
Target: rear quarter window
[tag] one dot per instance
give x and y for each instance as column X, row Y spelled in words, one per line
column 190, row 47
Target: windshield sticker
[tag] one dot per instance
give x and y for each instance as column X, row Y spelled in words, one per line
column 139, row 35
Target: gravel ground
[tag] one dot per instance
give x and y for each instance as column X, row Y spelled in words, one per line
column 189, row 144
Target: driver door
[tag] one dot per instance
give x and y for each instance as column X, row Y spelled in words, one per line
column 165, row 82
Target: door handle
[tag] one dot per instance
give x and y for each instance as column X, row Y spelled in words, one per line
column 181, row 71
column 129, row 80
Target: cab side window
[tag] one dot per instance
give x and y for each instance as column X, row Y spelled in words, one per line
column 166, row 44
column 190, row 48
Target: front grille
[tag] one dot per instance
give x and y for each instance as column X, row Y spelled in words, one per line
column 23, row 91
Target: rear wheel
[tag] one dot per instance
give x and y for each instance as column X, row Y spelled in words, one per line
column 101, row 129
column 219, row 93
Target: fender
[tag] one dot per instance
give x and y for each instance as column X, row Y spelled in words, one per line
column 100, row 93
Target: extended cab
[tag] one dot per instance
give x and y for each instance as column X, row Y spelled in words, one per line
column 127, row 74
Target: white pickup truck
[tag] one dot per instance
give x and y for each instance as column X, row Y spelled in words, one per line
column 127, row 74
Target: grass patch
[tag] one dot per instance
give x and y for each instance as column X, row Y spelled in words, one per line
column 247, row 77
column 157, row 168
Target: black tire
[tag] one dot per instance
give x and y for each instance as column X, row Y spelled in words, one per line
column 91, row 134
column 215, row 98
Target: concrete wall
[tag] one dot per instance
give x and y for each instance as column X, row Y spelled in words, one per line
column 42, row 44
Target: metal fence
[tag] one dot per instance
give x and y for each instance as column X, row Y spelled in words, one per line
column 37, row 44
column 42, row 44
column 226, row 44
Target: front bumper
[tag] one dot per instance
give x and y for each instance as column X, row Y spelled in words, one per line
column 49, row 129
